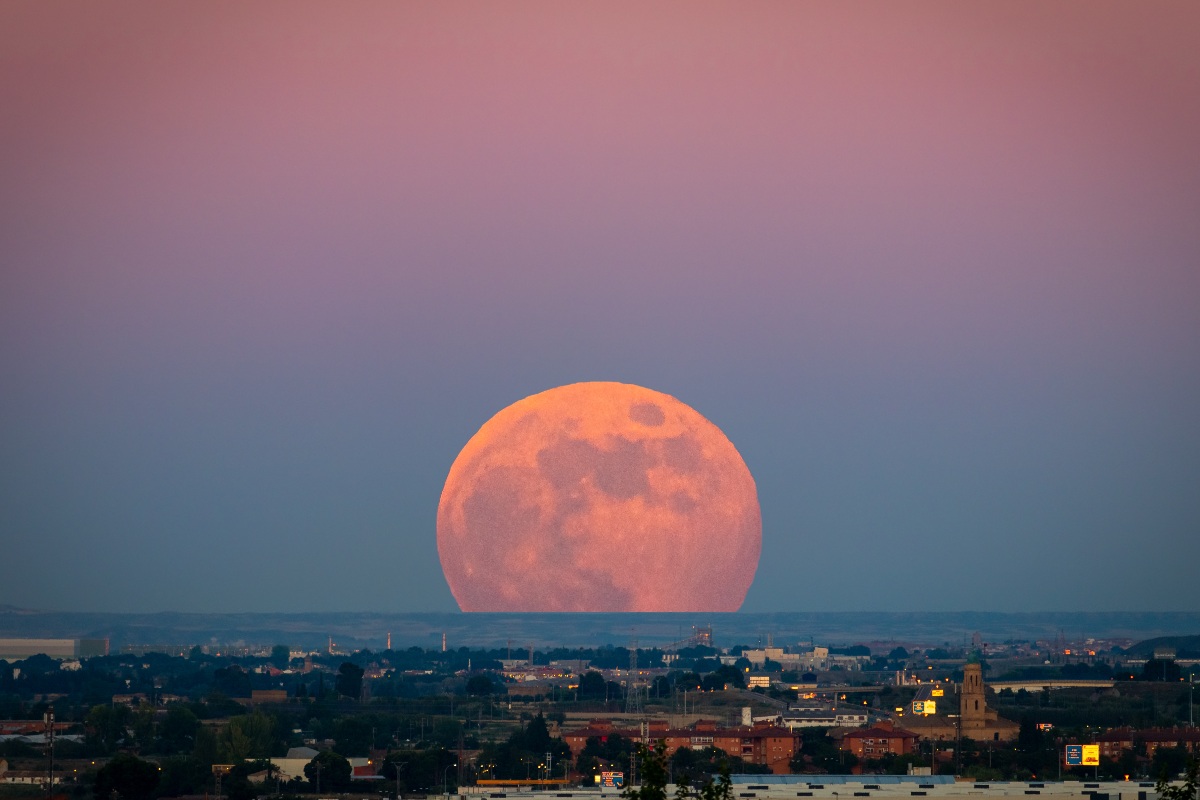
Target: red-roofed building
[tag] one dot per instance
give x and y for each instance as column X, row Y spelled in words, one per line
column 1119, row 740
column 762, row 744
column 880, row 741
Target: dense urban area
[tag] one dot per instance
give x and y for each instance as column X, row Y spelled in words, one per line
column 242, row 722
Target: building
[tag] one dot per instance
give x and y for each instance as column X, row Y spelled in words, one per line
column 761, row 743
column 979, row 722
column 793, row 718
column 879, row 741
column 292, row 765
column 975, row 720
column 1120, row 740
column 18, row 649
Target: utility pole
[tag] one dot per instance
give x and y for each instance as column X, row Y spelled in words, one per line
column 49, row 720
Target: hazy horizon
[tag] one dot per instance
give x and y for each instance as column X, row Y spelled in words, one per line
column 371, row 630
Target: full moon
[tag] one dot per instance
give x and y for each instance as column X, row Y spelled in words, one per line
column 599, row 497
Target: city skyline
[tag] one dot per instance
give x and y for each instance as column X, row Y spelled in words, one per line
column 931, row 267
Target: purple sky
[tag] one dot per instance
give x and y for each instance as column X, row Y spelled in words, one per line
column 934, row 268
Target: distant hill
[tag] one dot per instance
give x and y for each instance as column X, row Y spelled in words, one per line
column 1185, row 646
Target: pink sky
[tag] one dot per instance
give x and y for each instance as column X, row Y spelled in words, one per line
column 931, row 266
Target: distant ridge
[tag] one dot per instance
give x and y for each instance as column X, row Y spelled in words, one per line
column 7, row 609
column 357, row 630
column 1184, row 646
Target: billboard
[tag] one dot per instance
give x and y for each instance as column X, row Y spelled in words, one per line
column 925, row 707
column 1083, row 755
column 612, row 780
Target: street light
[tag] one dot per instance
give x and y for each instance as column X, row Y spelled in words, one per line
column 1191, row 699
column 446, row 780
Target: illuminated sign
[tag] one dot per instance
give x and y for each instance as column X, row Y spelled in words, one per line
column 612, row 780
column 1083, row 755
column 924, row 707
column 938, row 692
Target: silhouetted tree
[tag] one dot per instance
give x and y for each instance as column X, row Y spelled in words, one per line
column 281, row 656
column 329, row 772
column 128, row 776
column 349, row 680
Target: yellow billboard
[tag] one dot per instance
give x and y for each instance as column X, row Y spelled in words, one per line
column 1091, row 755
column 926, row 707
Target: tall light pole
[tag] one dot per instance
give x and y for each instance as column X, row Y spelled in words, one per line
column 446, row 779
column 49, row 720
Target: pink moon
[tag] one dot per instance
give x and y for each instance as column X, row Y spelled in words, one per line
column 599, row 497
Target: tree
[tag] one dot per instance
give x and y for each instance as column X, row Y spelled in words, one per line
column 688, row 766
column 818, row 753
column 1170, row 761
column 106, row 726
column 281, row 656
column 1187, row 791
column 732, row 675
column 1161, row 669
column 246, row 736
column 232, row 681
column 353, row 736
column 592, row 686
column 652, row 763
column 177, row 733
column 126, row 776
column 349, row 680
column 328, row 772
column 205, row 748
column 238, row 781
column 480, row 686
column 708, row 759
column 537, row 735
column 182, row 775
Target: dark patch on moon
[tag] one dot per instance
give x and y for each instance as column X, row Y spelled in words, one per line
column 567, row 462
column 647, row 414
column 622, row 473
column 683, row 453
column 681, row 503
column 619, row 472
column 495, row 505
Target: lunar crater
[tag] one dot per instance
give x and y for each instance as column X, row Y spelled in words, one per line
column 647, row 414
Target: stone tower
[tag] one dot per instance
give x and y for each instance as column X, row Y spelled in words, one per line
column 972, row 705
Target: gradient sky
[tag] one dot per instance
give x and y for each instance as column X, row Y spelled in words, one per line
column 934, row 268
